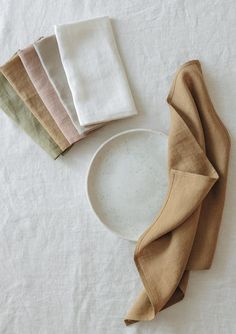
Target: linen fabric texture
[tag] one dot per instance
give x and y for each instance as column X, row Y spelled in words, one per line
column 184, row 235
column 48, row 52
column 17, row 76
column 38, row 76
column 15, row 108
column 94, row 70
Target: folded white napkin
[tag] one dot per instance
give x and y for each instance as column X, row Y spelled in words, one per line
column 94, row 71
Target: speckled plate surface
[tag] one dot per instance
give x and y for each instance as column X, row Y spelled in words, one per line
column 127, row 181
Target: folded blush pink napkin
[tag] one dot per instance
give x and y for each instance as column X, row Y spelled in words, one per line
column 48, row 52
column 18, row 78
column 42, row 84
column 184, row 235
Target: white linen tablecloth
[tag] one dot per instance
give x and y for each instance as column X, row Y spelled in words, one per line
column 61, row 271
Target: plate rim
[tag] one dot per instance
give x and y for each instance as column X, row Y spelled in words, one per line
column 90, row 167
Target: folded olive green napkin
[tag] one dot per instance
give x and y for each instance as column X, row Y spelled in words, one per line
column 16, row 109
column 17, row 76
column 183, row 237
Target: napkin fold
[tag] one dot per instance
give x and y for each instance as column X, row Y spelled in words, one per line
column 17, row 76
column 184, row 235
column 48, row 52
column 94, row 71
column 38, row 77
column 15, row 109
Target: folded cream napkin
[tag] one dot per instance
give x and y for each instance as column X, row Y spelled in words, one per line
column 17, row 76
column 15, row 108
column 95, row 72
column 184, row 235
column 38, row 76
column 48, row 52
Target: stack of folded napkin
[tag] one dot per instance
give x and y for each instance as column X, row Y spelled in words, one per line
column 64, row 86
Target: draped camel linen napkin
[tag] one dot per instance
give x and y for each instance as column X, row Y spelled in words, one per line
column 94, row 71
column 183, row 237
column 15, row 109
column 38, row 77
column 17, row 76
column 48, row 52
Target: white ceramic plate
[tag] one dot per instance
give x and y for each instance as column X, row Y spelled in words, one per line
column 127, row 181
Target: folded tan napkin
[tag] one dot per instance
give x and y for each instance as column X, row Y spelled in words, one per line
column 184, row 235
column 17, row 76
column 39, row 78
column 15, row 108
